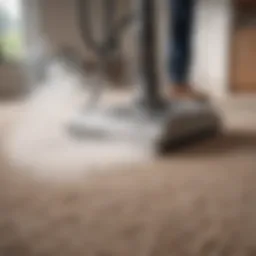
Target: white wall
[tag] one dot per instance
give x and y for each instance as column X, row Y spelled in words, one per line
column 212, row 46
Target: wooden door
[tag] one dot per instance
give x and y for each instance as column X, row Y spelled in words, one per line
column 243, row 74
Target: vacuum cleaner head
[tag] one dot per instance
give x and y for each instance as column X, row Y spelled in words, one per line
column 180, row 124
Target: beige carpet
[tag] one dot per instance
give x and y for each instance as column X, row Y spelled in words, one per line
column 64, row 197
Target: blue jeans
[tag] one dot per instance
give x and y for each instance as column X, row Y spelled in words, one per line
column 180, row 31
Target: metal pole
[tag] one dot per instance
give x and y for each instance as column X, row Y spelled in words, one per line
column 148, row 58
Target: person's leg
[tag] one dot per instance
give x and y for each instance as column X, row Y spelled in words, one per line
column 180, row 31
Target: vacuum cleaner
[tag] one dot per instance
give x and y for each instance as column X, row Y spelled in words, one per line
column 150, row 120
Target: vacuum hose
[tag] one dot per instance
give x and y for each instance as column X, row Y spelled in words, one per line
column 107, row 50
column 113, row 30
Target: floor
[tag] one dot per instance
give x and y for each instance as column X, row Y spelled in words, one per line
column 65, row 197
column 38, row 137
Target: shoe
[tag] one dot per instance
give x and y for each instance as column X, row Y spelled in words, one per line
column 186, row 93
